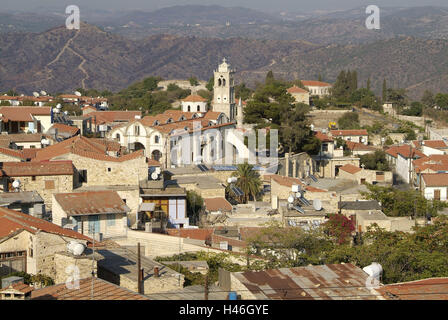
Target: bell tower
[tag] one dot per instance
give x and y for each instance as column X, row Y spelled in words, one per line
column 224, row 91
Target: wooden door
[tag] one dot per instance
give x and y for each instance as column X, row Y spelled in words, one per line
column 437, row 194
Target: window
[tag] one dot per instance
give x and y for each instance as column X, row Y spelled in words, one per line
column 324, row 147
column 137, row 130
column 110, row 220
column 49, row 184
column 189, row 109
column 33, row 178
column 156, row 139
column 109, row 169
column 117, row 136
column 199, row 108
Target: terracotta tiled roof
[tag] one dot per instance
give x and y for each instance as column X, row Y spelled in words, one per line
column 426, row 289
column 22, row 137
column 65, row 128
column 153, row 163
column 340, row 133
column 23, row 113
column 406, row 151
column 296, row 89
column 12, row 221
column 194, row 98
column 84, row 147
column 323, row 137
column 350, row 168
column 99, row 117
column 69, row 96
column 436, row 144
column 29, row 153
column 216, row 204
column 435, row 179
column 91, row 202
column 212, row 115
column 432, row 159
column 45, row 168
column 198, row 234
column 288, row 182
column 12, row 153
column 313, row 83
column 103, row 290
column 237, row 102
column 24, row 288
column 356, row 146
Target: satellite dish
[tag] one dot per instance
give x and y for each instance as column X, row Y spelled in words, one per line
column 317, row 204
column 16, row 184
column 77, row 93
column 290, row 199
column 154, row 176
column 232, row 179
column 43, row 93
column 295, row 188
column 36, row 94
column 76, row 248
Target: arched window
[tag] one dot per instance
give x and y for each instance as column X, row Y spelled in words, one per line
column 188, row 109
column 219, row 82
column 199, row 108
column 156, row 139
column 117, row 136
column 223, row 82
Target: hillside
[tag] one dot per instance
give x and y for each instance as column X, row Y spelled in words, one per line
column 62, row 60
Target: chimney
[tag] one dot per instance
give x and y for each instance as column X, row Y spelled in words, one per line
column 156, row 272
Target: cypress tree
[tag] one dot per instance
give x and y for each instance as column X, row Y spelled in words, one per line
column 368, row 84
column 384, row 90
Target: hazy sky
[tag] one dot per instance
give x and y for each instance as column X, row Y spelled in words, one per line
column 263, row 5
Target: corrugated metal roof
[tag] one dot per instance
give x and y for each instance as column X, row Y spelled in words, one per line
column 91, row 202
column 322, row 282
column 426, row 289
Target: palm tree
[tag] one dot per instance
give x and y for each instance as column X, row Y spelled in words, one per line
column 248, row 181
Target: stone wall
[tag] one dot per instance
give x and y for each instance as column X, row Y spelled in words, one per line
column 63, row 261
column 46, row 186
column 100, row 173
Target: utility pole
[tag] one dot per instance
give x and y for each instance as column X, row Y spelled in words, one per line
column 206, row 287
column 139, row 270
column 93, row 262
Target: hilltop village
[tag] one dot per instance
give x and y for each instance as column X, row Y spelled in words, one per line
column 175, row 202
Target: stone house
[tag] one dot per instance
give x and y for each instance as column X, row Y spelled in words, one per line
column 9, row 155
column 434, row 186
column 360, row 136
column 217, row 205
column 97, row 163
column 32, row 243
column 317, row 88
column 351, row 172
column 25, row 119
column 103, row 121
column 101, row 214
column 21, row 141
column 45, row 178
column 300, row 95
column 359, row 149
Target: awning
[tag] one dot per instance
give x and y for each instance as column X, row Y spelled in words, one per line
column 147, row 206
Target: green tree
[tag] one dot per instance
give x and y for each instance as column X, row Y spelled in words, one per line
column 384, row 90
column 375, row 161
column 193, row 81
column 195, row 205
column 441, row 100
column 210, row 84
column 349, row 120
column 295, row 133
column 416, row 109
column 248, row 181
column 368, row 84
column 269, row 77
column 428, row 99
column 243, row 92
